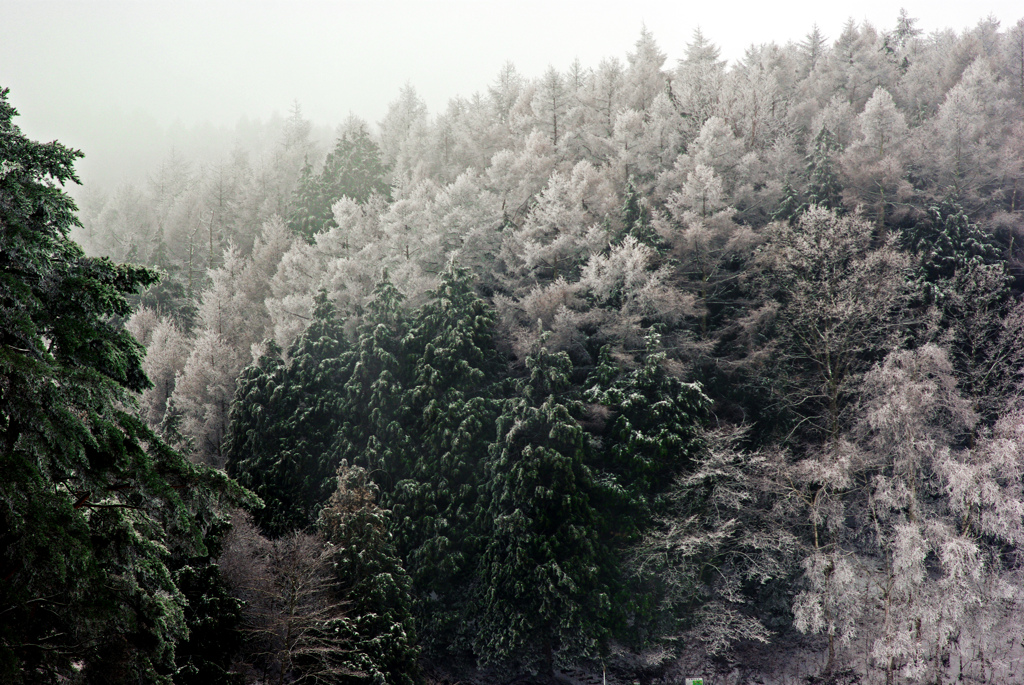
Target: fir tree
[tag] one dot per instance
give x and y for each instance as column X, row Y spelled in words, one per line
column 437, row 508
column 636, row 218
column 790, row 206
column 353, row 169
column 654, row 429
column 370, row 580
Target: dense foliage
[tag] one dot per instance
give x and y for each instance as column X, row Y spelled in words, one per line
column 103, row 528
column 640, row 366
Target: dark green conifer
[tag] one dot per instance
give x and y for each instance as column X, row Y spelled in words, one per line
column 636, row 218
column 284, row 422
column 454, row 402
column 374, row 419
column 653, row 431
column 353, row 169
column 790, row 205
column 92, row 502
column 948, row 241
column 372, row 584
column 823, row 186
column 544, row 594
column 307, row 212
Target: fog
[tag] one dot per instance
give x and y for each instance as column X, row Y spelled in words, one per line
column 128, row 81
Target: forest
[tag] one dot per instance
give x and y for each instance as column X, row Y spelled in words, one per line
column 629, row 373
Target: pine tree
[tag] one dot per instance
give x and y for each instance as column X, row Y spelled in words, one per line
column 437, row 508
column 790, row 206
column 654, row 431
column 284, row 421
column 636, row 218
column 353, row 169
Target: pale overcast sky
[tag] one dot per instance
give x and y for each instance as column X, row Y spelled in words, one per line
column 71, row 63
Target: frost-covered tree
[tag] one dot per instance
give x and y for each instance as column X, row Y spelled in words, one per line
column 715, row 538
column 836, row 303
column 874, row 166
column 643, row 80
column 557, row 236
column 698, row 80
column 937, row 544
column 551, row 105
column 232, row 318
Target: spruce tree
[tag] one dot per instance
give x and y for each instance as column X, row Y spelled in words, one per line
column 352, row 169
column 370, row 580
column 823, row 186
column 654, row 430
column 374, row 420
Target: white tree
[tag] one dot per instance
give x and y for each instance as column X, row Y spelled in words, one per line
column 698, row 81
column 232, row 318
column 643, row 79
column 874, row 165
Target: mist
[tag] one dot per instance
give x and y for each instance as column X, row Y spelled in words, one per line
column 129, row 81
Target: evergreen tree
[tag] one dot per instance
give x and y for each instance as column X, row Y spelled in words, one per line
column 790, row 206
column 370, row 580
column 650, row 427
column 962, row 271
column 353, row 169
column 213, row 616
column 654, row 429
column 948, row 241
column 636, row 218
column 823, row 186
column 544, row 592
column 284, row 422
column 373, row 430
column 91, row 500
column 307, row 213
column 437, row 509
